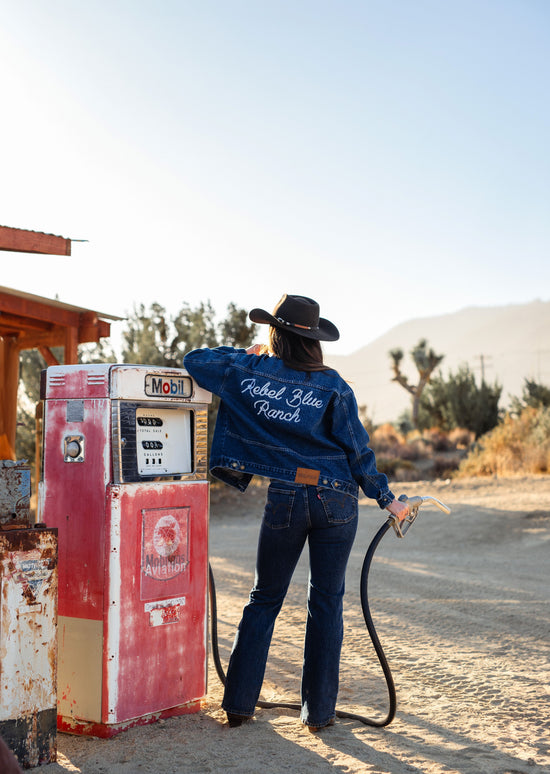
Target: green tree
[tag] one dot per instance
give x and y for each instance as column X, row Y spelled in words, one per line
column 99, row 352
column 425, row 361
column 152, row 337
column 147, row 337
column 459, row 402
column 31, row 363
column 534, row 395
column 236, row 330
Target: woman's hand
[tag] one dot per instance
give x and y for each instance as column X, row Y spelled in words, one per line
column 399, row 509
column 254, row 349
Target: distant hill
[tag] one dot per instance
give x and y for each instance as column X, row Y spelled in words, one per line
column 507, row 343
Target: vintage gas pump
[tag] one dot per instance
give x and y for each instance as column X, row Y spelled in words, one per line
column 124, row 480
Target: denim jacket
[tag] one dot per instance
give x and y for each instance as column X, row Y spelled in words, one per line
column 285, row 424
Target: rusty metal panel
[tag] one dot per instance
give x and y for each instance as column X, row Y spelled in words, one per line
column 28, row 644
column 15, row 494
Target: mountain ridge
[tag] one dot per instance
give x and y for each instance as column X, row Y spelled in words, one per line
column 504, row 344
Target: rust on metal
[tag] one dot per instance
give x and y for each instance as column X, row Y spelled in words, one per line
column 28, row 644
column 15, row 494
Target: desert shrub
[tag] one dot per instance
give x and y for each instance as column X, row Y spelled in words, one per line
column 386, row 438
column 518, row 445
column 445, row 466
column 461, row 438
column 419, row 454
column 414, row 449
column 437, row 439
column 392, row 465
column 459, row 402
column 534, row 395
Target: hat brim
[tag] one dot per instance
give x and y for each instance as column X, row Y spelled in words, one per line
column 325, row 332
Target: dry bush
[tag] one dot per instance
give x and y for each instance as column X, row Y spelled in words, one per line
column 445, row 465
column 416, row 449
column 461, row 438
column 518, row 445
column 386, row 438
column 438, row 440
column 420, row 455
column 405, row 473
column 397, row 469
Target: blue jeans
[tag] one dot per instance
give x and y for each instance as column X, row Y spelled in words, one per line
column 327, row 519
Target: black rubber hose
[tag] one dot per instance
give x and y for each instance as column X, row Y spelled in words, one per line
column 370, row 626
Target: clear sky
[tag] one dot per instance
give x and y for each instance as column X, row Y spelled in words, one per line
column 389, row 158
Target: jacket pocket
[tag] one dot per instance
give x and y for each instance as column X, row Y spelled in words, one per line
column 278, row 507
column 339, row 506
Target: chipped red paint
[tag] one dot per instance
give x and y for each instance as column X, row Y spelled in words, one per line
column 108, row 731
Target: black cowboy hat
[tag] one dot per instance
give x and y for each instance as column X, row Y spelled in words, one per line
column 299, row 315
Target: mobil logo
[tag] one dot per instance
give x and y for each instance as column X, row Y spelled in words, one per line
column 167, row 386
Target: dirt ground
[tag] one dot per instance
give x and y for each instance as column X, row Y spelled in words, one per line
column 462, row 608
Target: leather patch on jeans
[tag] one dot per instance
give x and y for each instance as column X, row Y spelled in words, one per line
column 307, row 476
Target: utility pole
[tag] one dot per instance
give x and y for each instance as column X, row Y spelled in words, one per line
column 482, row 359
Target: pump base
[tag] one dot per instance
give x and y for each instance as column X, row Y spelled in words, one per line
column 108, row 730
column 32, row 737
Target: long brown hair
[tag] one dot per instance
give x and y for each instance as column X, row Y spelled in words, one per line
column 296, row 351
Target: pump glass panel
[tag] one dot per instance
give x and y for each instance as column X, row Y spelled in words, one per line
column 163, row 441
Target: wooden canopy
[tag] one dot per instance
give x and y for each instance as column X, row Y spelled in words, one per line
column 19, row 240
column 33, row 322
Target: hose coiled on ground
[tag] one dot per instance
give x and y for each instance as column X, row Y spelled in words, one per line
column 368, row 621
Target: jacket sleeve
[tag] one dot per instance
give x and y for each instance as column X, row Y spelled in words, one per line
column 208, row 366
column 354, row 440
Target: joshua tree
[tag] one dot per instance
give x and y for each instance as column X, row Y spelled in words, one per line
column 426, row 361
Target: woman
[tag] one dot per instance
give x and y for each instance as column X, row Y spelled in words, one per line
column 286, row 416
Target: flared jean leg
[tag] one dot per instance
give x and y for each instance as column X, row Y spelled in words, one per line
column 321, row 667
column 245, row 672
column 278, row 552
column 329, row 550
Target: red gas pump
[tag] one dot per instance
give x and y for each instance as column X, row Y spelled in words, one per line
column 124, row 480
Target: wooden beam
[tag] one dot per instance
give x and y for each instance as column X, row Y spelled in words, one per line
column 54, row 338
column 19, row 240
column 34, row 309
column 12, row 325
column 48, row 356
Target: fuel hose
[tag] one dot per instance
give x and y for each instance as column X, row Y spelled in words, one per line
column 368, row 621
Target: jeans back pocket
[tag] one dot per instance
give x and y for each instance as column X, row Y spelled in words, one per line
column 278, row 507
column 339, row 507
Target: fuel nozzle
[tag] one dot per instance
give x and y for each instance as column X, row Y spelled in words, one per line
column 401, row 527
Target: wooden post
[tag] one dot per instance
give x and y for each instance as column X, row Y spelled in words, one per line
column 9, row 362
column 71, row 346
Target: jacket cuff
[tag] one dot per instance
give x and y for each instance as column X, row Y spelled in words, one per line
column 385, row 499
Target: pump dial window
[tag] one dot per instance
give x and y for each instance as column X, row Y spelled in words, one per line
column 163, row 441
column 149, row 421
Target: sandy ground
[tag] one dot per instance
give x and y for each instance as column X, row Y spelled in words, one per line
column 462, row 608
